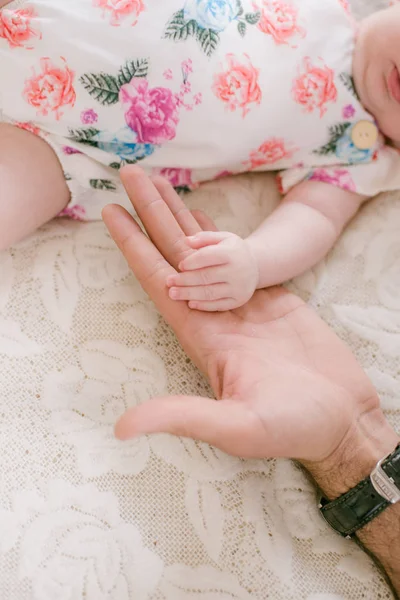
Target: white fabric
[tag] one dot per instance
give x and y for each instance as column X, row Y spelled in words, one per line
column 83, row 517
column 107, row 90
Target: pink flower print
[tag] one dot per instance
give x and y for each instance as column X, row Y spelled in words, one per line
column 177, row 177
column 16, row 27
column 88, row 117
column 120, row 9
column 69, row 150
column 151, row 112
column 348, row 111
column 198, row 99
column 223, row 174
column 339, row 177
column 279, row 184
column 270, row 152
column 278, row 19
column 28, row 127
column 168, row 74
column 77, row 213
column 237, row 85
column 187, row 68
column 314, row 87
column 51, row 89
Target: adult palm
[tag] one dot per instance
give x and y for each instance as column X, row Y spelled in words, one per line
column 285, row 384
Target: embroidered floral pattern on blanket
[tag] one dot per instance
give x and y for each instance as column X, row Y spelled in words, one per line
column 85, row 518
column 162, row 518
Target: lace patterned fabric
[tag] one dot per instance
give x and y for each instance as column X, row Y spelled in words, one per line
column 83, row 517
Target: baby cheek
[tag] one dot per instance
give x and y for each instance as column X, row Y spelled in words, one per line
column 391, row 129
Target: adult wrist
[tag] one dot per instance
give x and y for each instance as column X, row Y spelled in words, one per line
column 367, row 441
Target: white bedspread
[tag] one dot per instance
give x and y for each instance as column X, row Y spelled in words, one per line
column 83, row 517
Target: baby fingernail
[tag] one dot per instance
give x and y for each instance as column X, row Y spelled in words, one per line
column 173, row 293
column 170, row 280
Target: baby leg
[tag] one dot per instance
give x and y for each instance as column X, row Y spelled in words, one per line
column 32, row 184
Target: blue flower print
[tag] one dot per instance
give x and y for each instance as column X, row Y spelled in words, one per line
column 124, row 145
column 341, row 145
column 349, row 154
column 206, row 20
column 211, row 14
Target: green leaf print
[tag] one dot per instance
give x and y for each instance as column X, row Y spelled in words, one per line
column 240, row 9
column 124, row 162
column 348, row 82
column 103, row 184
column 335, row 132
column 84, row 136
column 128, row 161
column 252, row 18
column 208, row 39
column 242, row 28
column 131, row 69
column 105, row 88
column 102, row 87
column 178, row 29
column 182, row 189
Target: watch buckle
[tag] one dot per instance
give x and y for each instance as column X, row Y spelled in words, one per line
column 384, row 485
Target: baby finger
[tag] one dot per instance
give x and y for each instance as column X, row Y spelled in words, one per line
column 211, row 256
column 206, row 276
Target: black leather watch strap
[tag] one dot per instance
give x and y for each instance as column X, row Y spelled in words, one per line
column 363, row 503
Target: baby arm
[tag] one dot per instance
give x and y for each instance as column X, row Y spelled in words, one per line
column 32, row 184
column 226, row 270
column 301, row 231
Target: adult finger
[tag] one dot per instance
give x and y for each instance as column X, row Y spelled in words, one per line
column 207, row 293
column 222, row 305
column 157, row 218
column 228, row 425
column 205, row 222
column 207, row 238
column 178, row 208
column 146, row 262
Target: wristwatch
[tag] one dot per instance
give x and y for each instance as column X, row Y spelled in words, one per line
column 353, row 510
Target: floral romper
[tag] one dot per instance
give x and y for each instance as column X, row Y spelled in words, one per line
column 190, row 89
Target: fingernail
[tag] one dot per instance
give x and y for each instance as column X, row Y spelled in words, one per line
column 120, row 431
column 170, row 280
column 173, row 293
column 120, row 223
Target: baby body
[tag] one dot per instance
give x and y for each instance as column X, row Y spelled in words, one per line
column 193, row 90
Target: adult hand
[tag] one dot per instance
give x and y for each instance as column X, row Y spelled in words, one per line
column 286, row 385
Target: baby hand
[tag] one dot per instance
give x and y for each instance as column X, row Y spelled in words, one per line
column 221, row 275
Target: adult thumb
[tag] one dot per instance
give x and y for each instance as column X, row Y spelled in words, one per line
column 225, row 424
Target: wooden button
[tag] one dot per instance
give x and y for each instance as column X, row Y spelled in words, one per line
column 364, row 135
